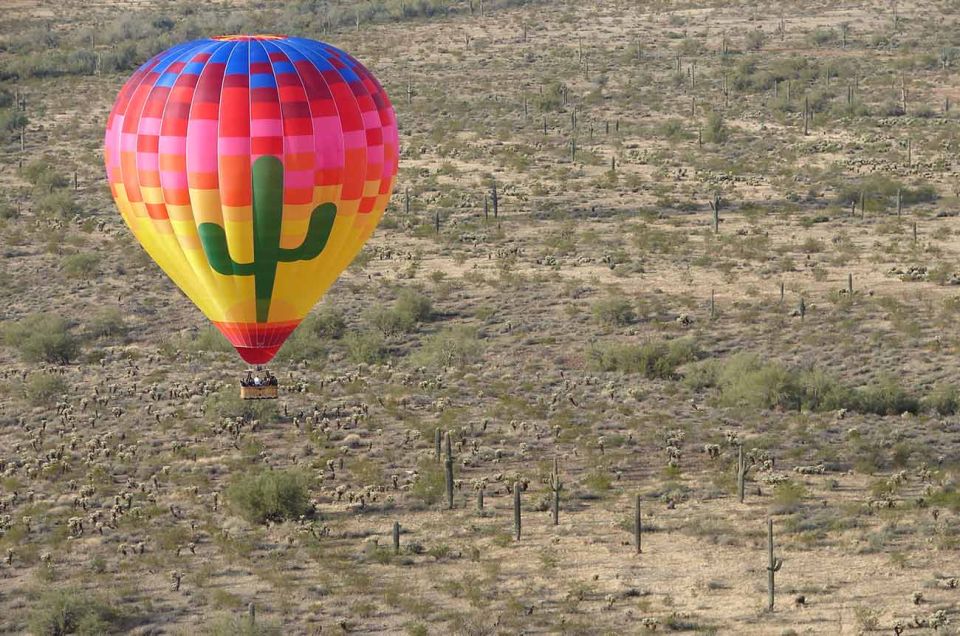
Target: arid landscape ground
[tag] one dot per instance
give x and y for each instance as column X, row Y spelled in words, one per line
column 550, row 282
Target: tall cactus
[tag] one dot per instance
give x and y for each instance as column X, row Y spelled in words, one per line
column 267, row 253
column 516, row 510
column 775, row 563
column 556, row 485
column 448, row 471
column 742, row 469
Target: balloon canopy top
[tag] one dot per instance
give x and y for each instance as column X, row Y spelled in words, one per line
column 243, row 38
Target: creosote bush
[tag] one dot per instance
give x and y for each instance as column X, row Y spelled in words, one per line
column 42, row 338
column 429, row 486
column 44, row 388
column 270, row 495
column 746, row 380
column 457, row 346
column 71, row 611
column 614, row 312
column 654, row 359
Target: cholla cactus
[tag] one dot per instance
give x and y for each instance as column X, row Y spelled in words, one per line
column 75, row 525
column 917, row 598
column 650, row 623
column 176, row 578
column 939, row 619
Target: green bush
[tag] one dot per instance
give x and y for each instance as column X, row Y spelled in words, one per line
column 304, row 343
column 431, row 482
column 228, row 404
column 457, row 346
column 43, row 389
column 270, row 495
column 328, row 323
column 885, row 397
column 42, row 338
column 614, row 312
column 715, row 129
column 410, row 309
column 106, row 322
column 654, row 359
column 206, row 339
column 943, row 400
column 365, row 347
column 82, row 265
column 746, row 380
column 59, row 203
column 71, row 611
column 240, row 626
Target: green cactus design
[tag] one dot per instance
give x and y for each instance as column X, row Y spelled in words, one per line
column 267, row 215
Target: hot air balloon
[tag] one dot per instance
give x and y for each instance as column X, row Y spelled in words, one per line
column 252, row 169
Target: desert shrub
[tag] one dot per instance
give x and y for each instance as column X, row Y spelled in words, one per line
column 614, row 312
column 59, row 203
column 206, row 339
column 270, row 495
column 788, row 496
column 43, row 175
column 71, row 611
column 44, row 388
column 304, row 343
column 82, row 265
column 885, row 397
column 430, row 484
column 414, row 304
column 654, row 359
column 42, row 338
column 456, row 346
column 755, row 40
column 240, row 626
column 674, row 129
column 365, row 347
column 328, row 323
column 12, row 121
column 410, row 308
column 228, row 404
column 943, row 400
column 823, row 36
column 106, row 322
column 715, row 129
column 747, row 380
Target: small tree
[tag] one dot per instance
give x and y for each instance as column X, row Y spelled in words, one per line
column 42, row 338
column 715, row 129
column 270, row 495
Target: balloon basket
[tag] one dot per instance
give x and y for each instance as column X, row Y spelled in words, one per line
column 259, row 392
column 255, row 387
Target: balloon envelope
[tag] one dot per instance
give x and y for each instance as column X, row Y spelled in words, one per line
column 252, row 169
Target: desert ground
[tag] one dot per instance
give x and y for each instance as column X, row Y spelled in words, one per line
column 635, row 250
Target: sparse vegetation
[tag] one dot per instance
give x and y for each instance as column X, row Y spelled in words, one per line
column 704, row 259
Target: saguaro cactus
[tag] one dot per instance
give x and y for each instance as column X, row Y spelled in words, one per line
column 775, row 563
column 638, row 527
column 448, row 471
column 396, row 537
column 556, row 485
column 742, row 469
column 267, row 253
column 715, row 206
column 516, row 509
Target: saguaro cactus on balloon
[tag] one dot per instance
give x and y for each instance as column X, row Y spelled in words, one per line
column 267, row 211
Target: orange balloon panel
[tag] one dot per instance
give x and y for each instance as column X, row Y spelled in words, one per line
column 252, row 169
